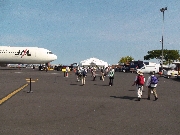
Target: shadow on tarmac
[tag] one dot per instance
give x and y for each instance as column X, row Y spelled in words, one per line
column 176, row 79
column 105, row 85
column 125, row 97
column 130, row 98
column 131, row 90
column 9, row 69
column 73, row 84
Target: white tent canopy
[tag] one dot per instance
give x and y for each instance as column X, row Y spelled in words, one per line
column 93, row 62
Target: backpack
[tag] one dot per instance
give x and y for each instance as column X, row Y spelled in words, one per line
column 84, row 73
column 111, row 74
column 140, row 80
column 79, row 73
column 154, row 80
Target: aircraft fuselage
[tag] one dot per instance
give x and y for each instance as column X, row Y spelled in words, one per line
column 25, row 55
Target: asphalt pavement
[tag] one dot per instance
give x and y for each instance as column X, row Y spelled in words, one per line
column 59, row 105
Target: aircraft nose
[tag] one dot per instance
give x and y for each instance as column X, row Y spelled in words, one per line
column 55, row 57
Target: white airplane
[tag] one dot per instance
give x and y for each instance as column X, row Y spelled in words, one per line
column 25, row 55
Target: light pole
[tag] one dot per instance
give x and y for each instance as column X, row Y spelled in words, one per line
column 162, row 10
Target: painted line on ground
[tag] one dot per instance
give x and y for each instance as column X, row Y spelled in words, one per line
column 12, row 94
column 31, row 81
column 18, row 72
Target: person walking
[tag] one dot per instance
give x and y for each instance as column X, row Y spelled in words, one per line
column 67, row 70
column 151, row 83
column 33, row 67
column 139, row 82
column 111, row 77
column 102, row 74
column 77, row 73
column 84, row 74
column 94, row 74
column 92, row 68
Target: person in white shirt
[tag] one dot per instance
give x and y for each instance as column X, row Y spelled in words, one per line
column 151, row 86
column 67, row 70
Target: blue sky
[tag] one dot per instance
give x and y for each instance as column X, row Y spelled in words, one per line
column 76, row 30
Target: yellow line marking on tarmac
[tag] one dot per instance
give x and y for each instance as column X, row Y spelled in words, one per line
column 31, row 81
column 12, row 94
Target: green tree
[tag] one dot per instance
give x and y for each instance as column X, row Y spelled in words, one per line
column 169, row 55
column 126, row 60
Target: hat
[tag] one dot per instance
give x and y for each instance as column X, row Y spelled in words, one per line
column 140, row 73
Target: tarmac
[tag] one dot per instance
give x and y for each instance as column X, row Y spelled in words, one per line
column 58, row 105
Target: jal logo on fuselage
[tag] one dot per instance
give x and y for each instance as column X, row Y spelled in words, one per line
column 23, row 52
